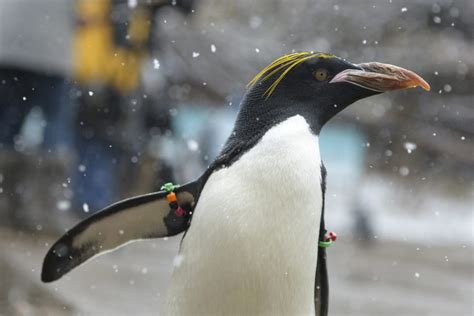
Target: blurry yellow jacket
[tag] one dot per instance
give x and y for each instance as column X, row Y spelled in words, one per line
column 97, row 58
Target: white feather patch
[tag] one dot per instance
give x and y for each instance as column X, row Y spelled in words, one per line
column 252, row 245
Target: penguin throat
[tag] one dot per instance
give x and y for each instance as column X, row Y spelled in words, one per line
column 254, row 120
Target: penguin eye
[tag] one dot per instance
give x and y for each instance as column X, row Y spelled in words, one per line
column 321, row 74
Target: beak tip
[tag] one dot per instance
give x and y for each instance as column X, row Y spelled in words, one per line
column 420, row 82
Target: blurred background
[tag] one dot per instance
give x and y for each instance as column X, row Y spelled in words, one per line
column 104, row 99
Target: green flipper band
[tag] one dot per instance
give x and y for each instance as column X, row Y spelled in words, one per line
column 169, row 187
column 325, row 244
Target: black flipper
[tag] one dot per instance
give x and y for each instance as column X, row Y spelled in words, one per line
column 140, row 217
column 321, row 291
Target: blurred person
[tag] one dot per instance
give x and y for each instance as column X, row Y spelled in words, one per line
column 35, row 63
column 112, row 40
column 109, row 46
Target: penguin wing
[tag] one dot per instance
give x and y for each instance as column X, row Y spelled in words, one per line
column 321, row 292
column 140, row 217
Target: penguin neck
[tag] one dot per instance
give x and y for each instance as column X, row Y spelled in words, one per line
column 257, row 116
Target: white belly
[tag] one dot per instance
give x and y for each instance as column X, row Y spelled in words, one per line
column 252, row 246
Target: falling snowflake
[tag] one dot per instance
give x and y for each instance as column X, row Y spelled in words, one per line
column 447, row 88
column 63, row 205
column 409, row 147
column 404, row 171
column 193, row 145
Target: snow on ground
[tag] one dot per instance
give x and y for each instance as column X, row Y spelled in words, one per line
column 402, row 213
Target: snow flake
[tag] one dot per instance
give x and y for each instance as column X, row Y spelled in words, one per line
column 409, row 147
column 81, row 168
column 63, row 205
column 417, row 275
column 213, row 48
column 437, row 19
column 404, row 171
column 91, row 93
column 257, row 50
column 404, row 9
column 196, row 54
column 85, row 207
column 156, row 64
column 192, row 145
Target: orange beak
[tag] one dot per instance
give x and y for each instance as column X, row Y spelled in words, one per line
column 381, row 77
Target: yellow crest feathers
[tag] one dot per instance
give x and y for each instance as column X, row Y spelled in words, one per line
column 285, row 64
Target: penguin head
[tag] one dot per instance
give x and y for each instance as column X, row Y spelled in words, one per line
column 318, row 85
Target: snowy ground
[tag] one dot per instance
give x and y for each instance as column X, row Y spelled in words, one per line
column 389, row 278
column 408, row 211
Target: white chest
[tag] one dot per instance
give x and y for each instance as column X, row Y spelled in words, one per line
column 252, row 245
